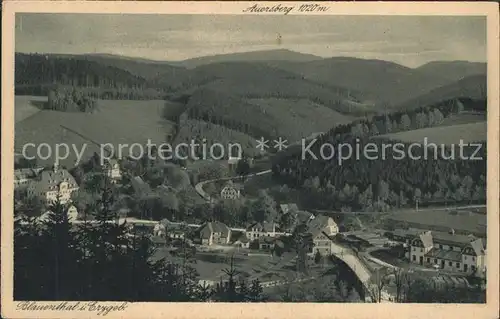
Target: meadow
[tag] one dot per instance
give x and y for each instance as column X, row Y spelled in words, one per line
column 115, row 122
column 299, row 118
column 445, row 135
column 459, row 220
column 26, row 106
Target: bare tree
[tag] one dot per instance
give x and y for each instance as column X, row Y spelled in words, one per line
column 399, row 275
column 406, row 284
column 380, row 280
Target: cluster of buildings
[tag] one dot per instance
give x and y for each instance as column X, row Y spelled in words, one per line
column 49, row 184
column 444, row 250
column 319, row 231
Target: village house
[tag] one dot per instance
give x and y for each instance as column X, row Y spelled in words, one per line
column 71, row 212
column 266, row 242
column 51, row 184
column 139, row 186
column 286, row 208
column 231, row 191
column 23, row 176
column 175, row 231
column 213, row 233
column 112, row 169
column 322, row 229
column 448, row 251
column 242, row 241
column 256, row 230
column 232, row 163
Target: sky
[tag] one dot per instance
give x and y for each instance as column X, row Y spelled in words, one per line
column 407, row 40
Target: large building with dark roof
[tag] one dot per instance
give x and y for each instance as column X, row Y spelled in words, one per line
column 448, row 251
column 321, row 230
column 212, row 233
column 50, row 184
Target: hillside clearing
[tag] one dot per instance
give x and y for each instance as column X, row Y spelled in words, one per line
column 26, row 105
column 192, row 129
column 464, row 118
column 471, row 132
column 116, row 122
column 299, row 118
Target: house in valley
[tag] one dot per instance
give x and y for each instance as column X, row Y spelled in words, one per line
column 321, row 229
column 214, row 233
column 266, row 242
column 242, row 241
column 231, row 191
column 287, row 208
column 52, row 184
column 139, row 186
column 112, row 169
column 256, row 230
column 449, row 251
column 23, row 176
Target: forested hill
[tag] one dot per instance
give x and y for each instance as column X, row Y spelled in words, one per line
column 387, row 181
column 37, row 69
column 473, row 87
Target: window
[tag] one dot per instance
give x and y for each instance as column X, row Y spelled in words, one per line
column 450, row 264
column 451, row 248
column 458, row 265
column 473, row 258
column 414, row 248
column 465, row 257
column 435, row 261
column 428, row 260
column 414, row 258
column 421, row 249
column 440, row 246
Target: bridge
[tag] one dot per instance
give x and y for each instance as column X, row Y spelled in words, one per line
column 359, row 268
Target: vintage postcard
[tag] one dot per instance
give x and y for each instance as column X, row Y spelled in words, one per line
column 250, row 159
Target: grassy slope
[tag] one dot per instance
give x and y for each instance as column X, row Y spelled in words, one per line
column 116, row 122
column 213, row 133
column 453, row 70
column 270, row 55
column 261, row 80
column 473, row 87
column 26, row 106
column 299, row 118
column 381, row 80
column 471, row 132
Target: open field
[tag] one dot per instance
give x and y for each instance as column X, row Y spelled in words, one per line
column 212, row 133
column 210, row 266
column 299, row 118
column 471, row 132
column 27, row 105
column 115, row 122
column 462, row 221
column 464, row 118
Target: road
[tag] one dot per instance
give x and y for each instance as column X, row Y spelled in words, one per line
column 199, row 187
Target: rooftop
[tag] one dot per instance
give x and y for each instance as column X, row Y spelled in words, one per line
column 214, row 227
column 445, row 254
column 265, row 226
column 48, row 180
column 236, row 186
column 285, row 208
column 317, row 224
